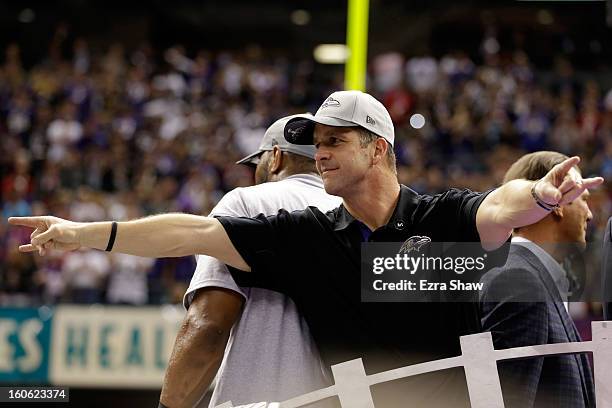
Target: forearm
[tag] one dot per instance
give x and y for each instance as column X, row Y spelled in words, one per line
column 516, row 206
column 507, row 207
column 166, row 235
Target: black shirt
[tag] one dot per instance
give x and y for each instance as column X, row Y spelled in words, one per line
column 314, row 258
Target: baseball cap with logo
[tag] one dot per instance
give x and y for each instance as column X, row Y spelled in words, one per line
column 343, row 108
column 274, row 137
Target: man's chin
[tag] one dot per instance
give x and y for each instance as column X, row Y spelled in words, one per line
column 581, row 244
column 331, row 187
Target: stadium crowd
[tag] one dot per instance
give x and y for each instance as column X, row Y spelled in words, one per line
column 120, row 134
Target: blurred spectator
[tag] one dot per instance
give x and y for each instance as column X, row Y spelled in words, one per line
column 84, row 273
column 422, row 73
column 63, row 132
column 128, row 280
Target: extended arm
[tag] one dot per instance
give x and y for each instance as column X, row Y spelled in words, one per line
column 512, row 205
column 166, row 235
column 199, row 346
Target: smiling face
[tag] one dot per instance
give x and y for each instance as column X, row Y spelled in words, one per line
column 341, row 160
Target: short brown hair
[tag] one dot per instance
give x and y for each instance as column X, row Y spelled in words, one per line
column 534, row 166
column 366, row 137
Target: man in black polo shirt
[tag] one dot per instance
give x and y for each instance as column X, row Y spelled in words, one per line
column 315, row 257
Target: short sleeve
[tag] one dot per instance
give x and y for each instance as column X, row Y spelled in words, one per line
column 210, row 272
column 265, row 244
column 232, row 204
column 453, row 213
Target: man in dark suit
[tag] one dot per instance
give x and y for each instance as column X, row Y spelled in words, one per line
column 525, row 302
column 606, row 270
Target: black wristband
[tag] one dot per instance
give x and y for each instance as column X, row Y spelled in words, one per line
column 538, row 200
column 111, row 239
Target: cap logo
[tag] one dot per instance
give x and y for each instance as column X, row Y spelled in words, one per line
column 329, row 102
column 295, row 131
column 370, row 120
column 274, row 142
column 292, row 134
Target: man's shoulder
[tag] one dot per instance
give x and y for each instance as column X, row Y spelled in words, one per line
column 449, row 196
column 279, row 215
column 516, row 263
column 450, row 215
column 267, row 198
column 284, row 185
column 517, row 276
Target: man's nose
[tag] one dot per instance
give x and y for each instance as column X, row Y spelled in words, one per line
column 589, row 214
column 321, row 154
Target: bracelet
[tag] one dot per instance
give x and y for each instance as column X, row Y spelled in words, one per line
column 538, row 200
column 111, row 239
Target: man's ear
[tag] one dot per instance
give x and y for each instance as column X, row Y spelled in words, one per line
column 276, row 164
column 380, row 150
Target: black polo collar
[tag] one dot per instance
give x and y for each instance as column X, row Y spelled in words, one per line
column 400, row 219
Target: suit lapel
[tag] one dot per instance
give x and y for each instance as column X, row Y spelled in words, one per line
column 542, row 273
column 553, row 291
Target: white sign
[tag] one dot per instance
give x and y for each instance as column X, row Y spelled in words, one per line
column 112, row 346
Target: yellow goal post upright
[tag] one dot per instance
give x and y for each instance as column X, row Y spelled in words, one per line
column 357, row 44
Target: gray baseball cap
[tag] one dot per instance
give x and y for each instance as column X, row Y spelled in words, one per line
column 274, row 137
column 343, row 108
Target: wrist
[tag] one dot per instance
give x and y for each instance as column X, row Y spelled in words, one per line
column 93, row 234
column 83, row 234
column 111, row 238
column 78, row 236
column 542, row 200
